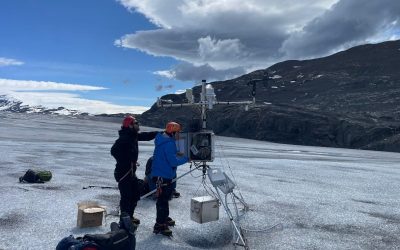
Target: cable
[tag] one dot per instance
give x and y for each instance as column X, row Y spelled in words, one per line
column 197, row 167
column 208, row 189
column 222, row 152
column 198, row 187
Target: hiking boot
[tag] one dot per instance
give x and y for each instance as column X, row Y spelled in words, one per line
column 162, row 229
column 170, row 222
column 135, row 221
column 176, row 194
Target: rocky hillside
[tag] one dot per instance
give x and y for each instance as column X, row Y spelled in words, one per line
column 16, row 106
column 349, row 99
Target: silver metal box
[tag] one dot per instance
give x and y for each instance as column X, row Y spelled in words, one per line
column 204, row 209
column 220, row 180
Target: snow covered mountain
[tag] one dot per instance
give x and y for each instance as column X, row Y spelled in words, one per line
column 13, row 105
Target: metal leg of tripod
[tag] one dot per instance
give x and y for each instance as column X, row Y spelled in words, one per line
column 240, row 240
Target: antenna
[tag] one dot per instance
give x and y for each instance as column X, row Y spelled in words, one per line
column 253, row 82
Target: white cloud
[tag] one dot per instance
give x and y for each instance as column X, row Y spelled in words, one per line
column 220, row 52
column 9, row 62
column 9, row 84
column 256, row 33
column 22, row 91
column 165, row 73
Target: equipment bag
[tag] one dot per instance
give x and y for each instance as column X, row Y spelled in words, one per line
column 143, row 187
column 44, row 175
column 39, row 176
column 110, row 241
column 121, row 237
column 72, row 243
column 115, row 240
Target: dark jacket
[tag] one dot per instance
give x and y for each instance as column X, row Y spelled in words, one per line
column 125, row 149
column 148, row 166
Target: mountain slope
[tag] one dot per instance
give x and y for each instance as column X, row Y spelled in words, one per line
column 349, row 99
column 16, row 106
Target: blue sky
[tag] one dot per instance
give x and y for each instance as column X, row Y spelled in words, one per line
column 73, row 42
column 129, row 52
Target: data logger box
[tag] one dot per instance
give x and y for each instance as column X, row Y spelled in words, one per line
column 197, row 146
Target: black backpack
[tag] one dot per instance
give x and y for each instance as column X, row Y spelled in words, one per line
column 121, row 237
column 38, row 176
column 114, row 240
column 143, row 187
column 72, row 243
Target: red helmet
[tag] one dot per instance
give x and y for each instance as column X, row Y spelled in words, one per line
column 128, row 120
column 172, row 127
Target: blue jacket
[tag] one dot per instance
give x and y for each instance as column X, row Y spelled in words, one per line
column 165, row 160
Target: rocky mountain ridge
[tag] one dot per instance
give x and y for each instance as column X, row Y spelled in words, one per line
column 349, row 99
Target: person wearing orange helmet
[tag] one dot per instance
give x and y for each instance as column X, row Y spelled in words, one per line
column 165, row 161
column 125, row 150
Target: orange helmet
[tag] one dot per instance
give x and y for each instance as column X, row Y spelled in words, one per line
column 128, row 120
column 172, row 127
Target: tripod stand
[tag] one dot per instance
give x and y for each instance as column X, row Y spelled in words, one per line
column 223, row 185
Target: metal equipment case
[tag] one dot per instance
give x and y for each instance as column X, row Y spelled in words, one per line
column 204, row 209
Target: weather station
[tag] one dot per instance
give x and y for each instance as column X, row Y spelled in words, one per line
column 199, row 147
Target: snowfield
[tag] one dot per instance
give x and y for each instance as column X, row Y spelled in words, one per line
column 324, row 198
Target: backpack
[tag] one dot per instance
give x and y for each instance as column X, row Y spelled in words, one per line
column 114, row 240
column 39, row 176
column 121, row 237
column 143, row 187
column 72, row 243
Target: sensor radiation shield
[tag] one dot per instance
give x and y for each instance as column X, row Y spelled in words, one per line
column 197, row 146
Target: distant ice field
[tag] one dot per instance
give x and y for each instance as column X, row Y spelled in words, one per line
column 325, row 198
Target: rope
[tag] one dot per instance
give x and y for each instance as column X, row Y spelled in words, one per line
column 127, row 173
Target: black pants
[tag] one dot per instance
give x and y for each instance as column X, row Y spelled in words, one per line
column 130, row 194
column 162, row 205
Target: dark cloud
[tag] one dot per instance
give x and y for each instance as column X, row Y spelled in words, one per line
column 348, row 23
column 161, row 87
column 232, row 38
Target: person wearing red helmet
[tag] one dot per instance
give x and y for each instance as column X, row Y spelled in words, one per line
column 125, row 150
column 165, row 161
